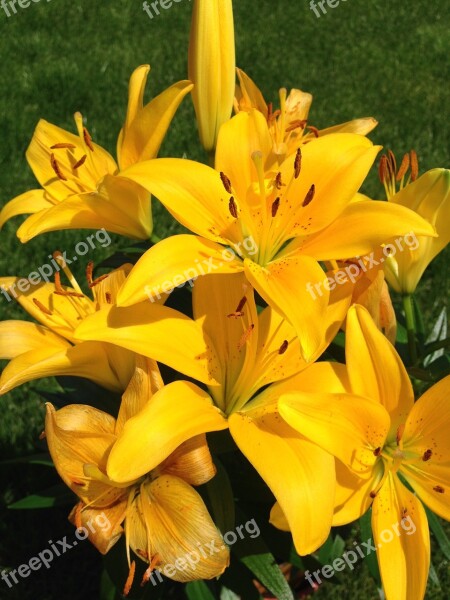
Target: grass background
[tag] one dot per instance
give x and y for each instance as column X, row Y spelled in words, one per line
column 383, row 58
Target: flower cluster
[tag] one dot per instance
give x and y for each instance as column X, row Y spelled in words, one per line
column 331, row 441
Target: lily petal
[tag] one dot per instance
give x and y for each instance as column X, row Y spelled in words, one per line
column 191, row 461
column 32, row 201
column 18, row 337
column 103, row 524
column 400, row 531
column 300, row 475
column 177, row 412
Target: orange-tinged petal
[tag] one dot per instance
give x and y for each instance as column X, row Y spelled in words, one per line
column 347, row 426
column 400, row 531
column 283, row 285
column 150, row 329
column 183, row 535
column 102, row 524
column 375, row 369
column 300, row 475
column 191, row 461
column 177, row 412
column 30, row 202
column 171, row 263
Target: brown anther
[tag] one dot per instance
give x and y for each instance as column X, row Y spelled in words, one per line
column 400, row 431
column 98, row 280
column 130, row 578
column 79, row 484
column 242, row 303
column 439, row 489
column 383, row 169
column 233, row 208
column 226, row 182
column 427, row 455
column 377, row 451
column 313, row 130
column 283, row 347
column 78, row 509
column 89, row 271
column 275, row 206
column 108, row 298
column 245, row 337
column 392, row 162
column 295, row 125
column 414, row 165
column 87, row 139
column 142, row 553
column 309, row 196
column 42, row 435
column 56, row 168
column 235, row 315
column 278, row 183
column 298, row 164
column 62, row 145
column 403, row 167
column 269, row 111
column 61, row 292
column 82, row 160
column 42, row 308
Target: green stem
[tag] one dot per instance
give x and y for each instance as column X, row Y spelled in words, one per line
column 410, row 327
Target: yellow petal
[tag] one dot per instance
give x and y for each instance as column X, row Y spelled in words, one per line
column 338, row 423
column 18, row 337
column 300, row 475
column 195, row 197
column 150, row 329
column 191, row 461
column 79, row 435
column 278, row 518
column 361, row 126
column 176, row 413
column 375, row 369
column 283, row 285
column 30, row 202
column 117, row 205
column 400, row 531
column 89, row 360
column 146, row 127
column 183, row 535
column 353, row 499
column 371, row 223
column 171, row 263
column 427, row 430
column 102, row 524
column 248, row 95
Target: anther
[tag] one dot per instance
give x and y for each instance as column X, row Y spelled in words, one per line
column 283, row 347
column 298, row 164
column 414, row 165
column 233, row 208
column 226, row 182
column 427, row 455
column 296, row 125
column 377, row 451
column 87, row 139
column 245, row 336
column 309, row 196
column 59, row 290
column 62, row 145
column 130, row 578
column 56, row 168
column 275, row 206
column 108, row 298
column 392, row 161
column 314, row 130
column 80, row 162
column 42, row 308
column 383, row 169
column 278, row 183
column 403, row 167
column 238, row 312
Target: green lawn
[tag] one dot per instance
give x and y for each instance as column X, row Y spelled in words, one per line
column 383, row 58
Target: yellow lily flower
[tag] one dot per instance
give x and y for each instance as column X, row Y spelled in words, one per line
column 382, row 441
column 246, row 352
column 82, row 187
column 289, row 124
column 275, row 224
column 429, row 197
column 212, row 66
column 51, row 347
column 164, row 519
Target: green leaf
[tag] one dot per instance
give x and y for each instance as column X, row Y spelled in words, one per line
column 439, row 533
column 266, row 570
column 437, row 336
column 33, row 459
column 198, row 590
column 366, row 536
column 56, row 495
column 221, row 498
column 107, row 588
column 433, row 576
column 238, row 578
column 226, row 594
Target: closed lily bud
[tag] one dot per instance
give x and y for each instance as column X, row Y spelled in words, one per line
column 212, row 66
